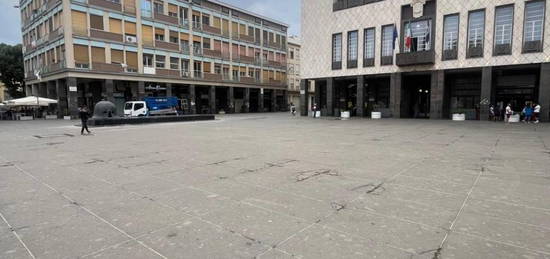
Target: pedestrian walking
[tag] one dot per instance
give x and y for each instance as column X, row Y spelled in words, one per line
column 509, row 113
column 314, row 110
column 527, row 113
column 293, row 109
column 536, row 112
column 84, row 115
column 491, row 113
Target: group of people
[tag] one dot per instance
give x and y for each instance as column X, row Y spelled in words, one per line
column 531, row 113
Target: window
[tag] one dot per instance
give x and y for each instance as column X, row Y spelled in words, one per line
column 138, row 106
column 418, row 36
column 352, row 49
column 450, row 32
column 206, row 43
column 337, row 51
column 387, row 41
column 291, row 54
column 159, row 7
column 533, row 26
column 160, row 61
column 369, row 45
column 476, row 35
column 504, row 17
column 147, row 60
column 146, row 8
column 96, row 22
column 206, row 20
column 174, row 63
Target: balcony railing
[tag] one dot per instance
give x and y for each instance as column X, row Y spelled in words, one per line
column 213, row 30
column 248, row 80
column 104, row 67
column 213, row 77
column 185, row 73
column 112, row 5
column 197, row 26
column 130, row 10
column 166, row 18
column 105, row 35
column 56, row 33
column 167, row 45
column 197, row 51
column 246, row 59
column 184, row 23
column 246, row 38
column 198, row 74
column 168, row 72
column 212, row 53
column 185, row 48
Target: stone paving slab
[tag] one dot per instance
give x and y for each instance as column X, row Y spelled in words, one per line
column 275, row 186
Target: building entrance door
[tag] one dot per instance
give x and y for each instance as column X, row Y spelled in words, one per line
column 416, row 93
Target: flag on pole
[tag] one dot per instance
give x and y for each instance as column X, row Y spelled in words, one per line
column 395, row 35
column 408, row 36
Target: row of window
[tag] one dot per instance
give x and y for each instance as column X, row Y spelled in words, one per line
column 418, row 36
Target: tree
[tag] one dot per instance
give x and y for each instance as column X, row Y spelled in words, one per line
column 12, row 72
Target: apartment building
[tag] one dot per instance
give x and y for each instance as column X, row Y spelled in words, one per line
column 213, row 56
column 426, row 58
column 293, row 70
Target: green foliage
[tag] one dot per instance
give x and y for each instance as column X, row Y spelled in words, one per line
column 12, row 72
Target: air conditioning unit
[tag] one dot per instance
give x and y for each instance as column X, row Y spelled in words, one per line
column 131, row 39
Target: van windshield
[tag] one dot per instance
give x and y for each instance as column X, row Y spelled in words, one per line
column 128, row 106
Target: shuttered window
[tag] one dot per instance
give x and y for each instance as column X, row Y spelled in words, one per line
column 184, row 36
column 130, row 28
column 98, row 55
column 217, row 45
column 147, row 35
column 173, row 10
column 242, row 29
column 115, row 25
column 197, row 38
column 235, row 27
column 225, row 27
column 206, row 67
column 81, row 54
column 265, row 76
column 117, row 56
column 80, row 23
column 130, row 5
column 96, row 22
column 131, row 60
column 217, row 22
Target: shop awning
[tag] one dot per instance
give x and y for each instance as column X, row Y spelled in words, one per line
column 31, row 101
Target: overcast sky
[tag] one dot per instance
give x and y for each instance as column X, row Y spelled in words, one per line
column 287, row 11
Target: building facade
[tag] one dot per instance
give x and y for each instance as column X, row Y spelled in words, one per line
column 426, row 58
column 213, row 56
column 293, row 70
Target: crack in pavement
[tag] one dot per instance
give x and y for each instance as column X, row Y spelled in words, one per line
column 226, row 161
column 309, row 174
column 373, row 190
column 269, row 165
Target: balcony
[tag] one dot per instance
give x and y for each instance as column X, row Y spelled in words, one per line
column 274, row 45
column 105, row 35
column 212, row 53
column 167, row 45
column 249, row 39
column 130, row 10
column 50, row 68
column 166, row 18
column 168, row 72
column 197, row 51
column 213, row 77
column 197, row 74
column 52, row 3
column 110, row 68
column 185, row 73
column 55, row 34
column 212, row 30
column 416, row 58
column 248, row 80
column 197, row 26
column 184, row 23
column 246, row 59
column 226, row 56
column 274, row 82
column 185, row 49
column 112, row 5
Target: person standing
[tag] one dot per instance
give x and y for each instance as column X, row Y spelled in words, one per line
column 293, row 109
column 491, row 113
column 84, row 115
column 536, row 112
column 509, row 113
column 314, row 110
column 528, row 113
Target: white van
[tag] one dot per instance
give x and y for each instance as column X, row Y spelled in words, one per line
column 135, row 109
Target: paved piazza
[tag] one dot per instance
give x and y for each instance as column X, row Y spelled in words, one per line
column 274, row 186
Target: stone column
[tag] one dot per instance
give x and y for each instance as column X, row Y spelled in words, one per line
column 360, row 96
column 109, row 90
column 273, row 100
column 72, row 96
column 246, row 100
column 62, row 105
column 304, row 96
column 141, row 90
column 437, row 95
column 192, row 99
column 35, row 90
column 544, row 92
column 395, row 94
column 212, row 100
column 168, row 90
column 486, row 92
column 330, row 97
column 261, row 100
column 231, row 99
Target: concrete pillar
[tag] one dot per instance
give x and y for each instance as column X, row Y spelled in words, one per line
column 273, row 100
column 168, row 90
column 212, row 100
column 330, row 97
column 35, row 90
column 28, row 90
column 43, row 90
column 437, row 95
column 317, row 95
column 544, row 92
column 304, row 96
column 261, row 100
column 62, row 105
column 231, row 99
column 360, row 96
column 109, row 90
column 486, row 92
column 192, row 103
column 141, row 90
column 72, row 96
column 246, row 100
column 395, row 94
column 51, row 90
